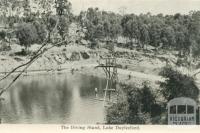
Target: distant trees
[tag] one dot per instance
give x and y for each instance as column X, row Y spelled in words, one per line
column 130, row 28
column 194, row 33
column 63, row 27
column 178, row 32
column 92, row 22
column 61, row 21
column 63, row 9
column 46, row 5
column 111, row 25
column 100, row 25
column 144, row 37
column 35, row 29
column 50, row 22
column 44, row 16
column 6, row 7
column 168, row 37
column 27, row 10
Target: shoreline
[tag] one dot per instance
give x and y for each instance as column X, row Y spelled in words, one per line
column 134, row 67
column 88, row 68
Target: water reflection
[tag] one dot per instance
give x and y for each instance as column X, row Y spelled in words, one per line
column 54, row 99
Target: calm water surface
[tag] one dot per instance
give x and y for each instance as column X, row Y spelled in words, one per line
column 56, row 99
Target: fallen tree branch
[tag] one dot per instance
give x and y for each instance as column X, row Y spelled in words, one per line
column 38, row 53
column 28, row 65
column 23, row 64
column 43, row 45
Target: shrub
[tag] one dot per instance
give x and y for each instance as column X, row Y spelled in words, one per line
column 134, row 106
column 177, row 85
column 23, row 52
column 2, row 34
column 41, row 31
column 27, row 34
column 117, row 113
column 85, row 55
column 4, row 46
column 138, row 107
column 148, row 99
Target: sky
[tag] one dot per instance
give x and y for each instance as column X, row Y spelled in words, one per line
column 138, row 6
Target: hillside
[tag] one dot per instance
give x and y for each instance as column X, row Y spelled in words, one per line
column 140, row 65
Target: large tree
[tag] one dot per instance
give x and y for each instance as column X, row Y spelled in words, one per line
column 27, row 34
column 30, row 33
column 178, row 85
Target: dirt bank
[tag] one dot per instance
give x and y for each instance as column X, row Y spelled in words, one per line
column 134, row 67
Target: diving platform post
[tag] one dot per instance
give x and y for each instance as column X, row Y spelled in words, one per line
column 109, row 66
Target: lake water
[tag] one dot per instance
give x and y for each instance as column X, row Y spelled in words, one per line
column 54, row 99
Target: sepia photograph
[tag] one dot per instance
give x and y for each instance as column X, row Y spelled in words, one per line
column 100, row 62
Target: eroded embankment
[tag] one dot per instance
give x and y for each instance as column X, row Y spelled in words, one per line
column 133, row 66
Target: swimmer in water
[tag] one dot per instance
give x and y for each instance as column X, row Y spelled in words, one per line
column 96, row 92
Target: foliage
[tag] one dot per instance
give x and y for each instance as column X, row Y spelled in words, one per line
column 148, row 99
column 2, row 35
column 63, row 9
column 27, row 10
column 177, row 32
column 11, row 21
column 4, row 46
column 100, row 24
column 134, row 98
column 46, row 5
column 41, row 31
column 117, row 114
column 50, row 22
column 29, row 33
column 63, row 27
column 178, row 85
column 140, row 102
